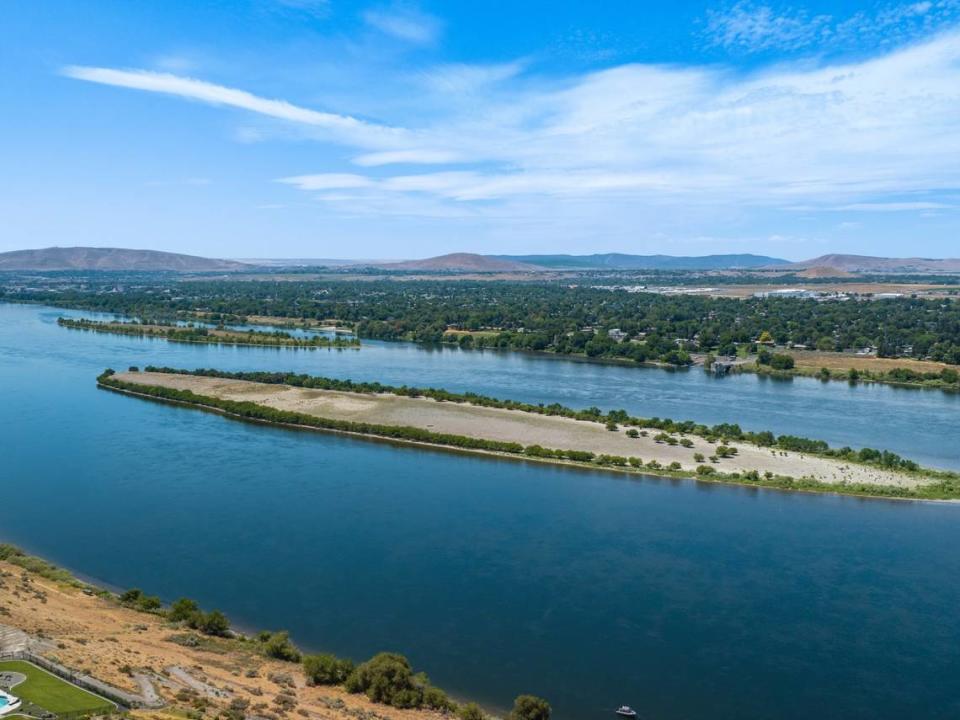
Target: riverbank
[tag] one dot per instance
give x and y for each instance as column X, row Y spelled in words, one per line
column 512, row 432
column 204, row 335
column 48, row 613
column 917, row 375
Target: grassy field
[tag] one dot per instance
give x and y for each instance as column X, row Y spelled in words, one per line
column 811, row 359
column 50, row 692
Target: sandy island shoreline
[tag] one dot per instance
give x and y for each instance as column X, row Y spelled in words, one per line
column 523, row 427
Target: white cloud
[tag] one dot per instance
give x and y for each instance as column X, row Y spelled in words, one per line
column 405, row 24
column 759, row 27
column 751, row 27
column 328, row 181
column 342, row 126
column 412, row 157
column 894, row 206
column 628, row 142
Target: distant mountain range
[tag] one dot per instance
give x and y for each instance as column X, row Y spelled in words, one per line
column 87, row 258
column 463, row 262
column 621, row 261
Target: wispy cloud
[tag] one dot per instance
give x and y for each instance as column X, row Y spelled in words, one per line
column 895, row 206
column 411, row 157
column 753, row 27
column 405, row 23
column 343, row 126
column 626, row 142
column 328, row 181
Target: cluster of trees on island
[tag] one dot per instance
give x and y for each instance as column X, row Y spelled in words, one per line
column 948, row 485
column 202, row 334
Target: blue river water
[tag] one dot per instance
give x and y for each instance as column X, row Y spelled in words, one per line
column 684, row 600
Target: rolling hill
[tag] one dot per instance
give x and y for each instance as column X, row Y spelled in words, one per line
column 88, row 258
column 462, row 262
column 621, row 261
column 867, row 263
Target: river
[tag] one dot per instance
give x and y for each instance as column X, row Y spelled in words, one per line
column 684, row 600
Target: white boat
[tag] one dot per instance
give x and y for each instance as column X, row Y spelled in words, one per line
column 626, row 711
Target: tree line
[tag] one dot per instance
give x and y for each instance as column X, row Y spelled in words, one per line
column 202, row 334
column 553, row 316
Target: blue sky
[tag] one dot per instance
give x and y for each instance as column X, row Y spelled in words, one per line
column 328, row 128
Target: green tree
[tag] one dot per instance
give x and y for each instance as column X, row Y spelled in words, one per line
column 326, row 669
column 131, row 596
column 530, row 707
column 279, row 646
column 184, row 610
column 214, row 623
column 386, row 678
column 471, row 711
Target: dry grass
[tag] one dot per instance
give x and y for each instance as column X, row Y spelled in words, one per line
column 814, row 360
column 100, row 638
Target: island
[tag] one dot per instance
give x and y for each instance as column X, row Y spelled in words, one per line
column 210, row 335
column 473, row 423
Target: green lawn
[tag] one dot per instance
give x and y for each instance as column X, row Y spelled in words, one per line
column 50, row 692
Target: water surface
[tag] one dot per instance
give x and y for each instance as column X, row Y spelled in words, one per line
column 498, row 577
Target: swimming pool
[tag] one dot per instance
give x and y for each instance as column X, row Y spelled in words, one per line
column 8, row 703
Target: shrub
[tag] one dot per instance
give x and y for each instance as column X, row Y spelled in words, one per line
column 135, row 598
column 781, row 362
column 698, row 457
column 387, row 678
column 612, row 426
column 214, row 623
column 278, row 646
column 686, row 442
column 705, row 470
column 530, row 707
column 131, row 596
column 436, row 699
column 471, row 711
column 185, row 610
column 633, row 433
column 326, row 669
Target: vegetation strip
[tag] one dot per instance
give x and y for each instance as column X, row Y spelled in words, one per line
column 946, row 487
column 199, row 334
column 565, row 318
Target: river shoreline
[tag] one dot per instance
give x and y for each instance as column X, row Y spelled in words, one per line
column 152, row 662
column 856, row 478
